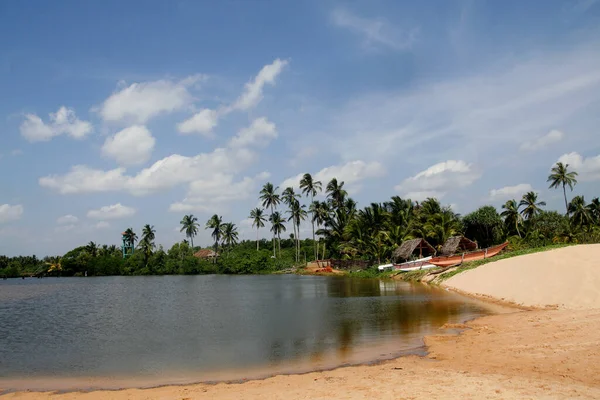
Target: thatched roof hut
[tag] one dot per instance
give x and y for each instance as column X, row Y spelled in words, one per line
column 457, row 244
column 408, row 247
column 206, row 254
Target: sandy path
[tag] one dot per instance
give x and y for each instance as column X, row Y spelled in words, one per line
column 520, row 355
column 568, row 278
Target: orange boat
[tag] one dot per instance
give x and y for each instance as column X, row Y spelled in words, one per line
column 449, row 261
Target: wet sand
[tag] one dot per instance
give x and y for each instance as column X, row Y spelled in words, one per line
column 521, row 354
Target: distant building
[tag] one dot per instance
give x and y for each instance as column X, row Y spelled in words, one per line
column 206, row 254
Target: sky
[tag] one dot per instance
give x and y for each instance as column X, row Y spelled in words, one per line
column 118, row 114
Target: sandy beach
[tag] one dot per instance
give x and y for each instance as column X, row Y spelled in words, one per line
column 543, row 353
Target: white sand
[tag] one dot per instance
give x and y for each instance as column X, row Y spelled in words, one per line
column 568, row 278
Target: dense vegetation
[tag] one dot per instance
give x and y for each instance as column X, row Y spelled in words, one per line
column 339, row 230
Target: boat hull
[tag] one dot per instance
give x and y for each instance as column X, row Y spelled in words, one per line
column 466, row 257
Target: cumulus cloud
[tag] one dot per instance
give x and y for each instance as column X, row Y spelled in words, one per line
column 439, row 179
column 540, row 142
column 510, row 192
column 10, row 213
column 62, row 122
column 587, row 168
column 130, row 146
column 139, row 102
column 67, row 219
column 259, row 133
column 202, row 122
column 115, row 211
column 102, row 225
column 374, row 32
column 351, row 173
column 253, row 91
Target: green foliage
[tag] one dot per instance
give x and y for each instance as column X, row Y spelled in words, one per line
column 485, row 226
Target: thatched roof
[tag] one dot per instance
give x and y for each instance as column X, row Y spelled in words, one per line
column 408, row 247
column 457, row 244
column 206, row 253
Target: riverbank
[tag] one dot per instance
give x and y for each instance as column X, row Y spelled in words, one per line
column 521, row 354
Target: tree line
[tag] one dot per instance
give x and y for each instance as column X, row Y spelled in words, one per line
column 339, row 230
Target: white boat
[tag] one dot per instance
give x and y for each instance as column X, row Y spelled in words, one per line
column 386, row 267
column 421, row 263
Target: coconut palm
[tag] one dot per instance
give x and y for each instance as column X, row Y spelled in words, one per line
column 190, row 225
column 336, row 193
column 560, row 176
column 580, row 214
column 594, row 210
column 531, row 205
column 297, row 215
column 511, row 215
column 258, row 221
column 290, row 198
column 270, row 199
column 216, row 224
column 131, row 237
column 311, row 187
column 92, row 249
column 277, row 227
column 230, row 235
column 54, row 264
column 147, row 241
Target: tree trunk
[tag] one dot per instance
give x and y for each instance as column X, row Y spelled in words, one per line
column 192, row 240
column 279, row 243
column 298, row 245
column 274, row 255
column 517, row 226
column 312, row 220
column 565, row 194
column 256, row 238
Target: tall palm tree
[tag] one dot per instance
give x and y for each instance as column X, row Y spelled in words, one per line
column 560, row 176
column 147, row 241
column 92, row 249
column 511, row 215
column 277, row 227
column 531, row 204
column 580, row 214
column 131, row 238
column 258, row 221
column 230, row 235
column 290, row 198
column 594, row 210
column 190, row 225
column 270, row 199
column 311, row 187
column 216, row 224
column 297, row 215
column 336, row 193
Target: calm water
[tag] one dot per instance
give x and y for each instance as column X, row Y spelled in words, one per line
column 194, row 327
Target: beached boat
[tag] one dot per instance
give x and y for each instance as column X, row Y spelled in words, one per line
column 458, row 259
column 422, row 263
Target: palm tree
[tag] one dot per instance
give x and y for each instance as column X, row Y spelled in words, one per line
column 92, row 249
column 511, row 215
column 230, row 235
column 580, row 214
column 594, row 210
column 336, row 193
column 54, row 264
column 320, row 214
column 532, row 206
column 297, row 215
column 290, row 198
column 277, row 227
column 270, row 199
column 311, row 187
column 190, row 225
column 258, row 221
column 216, row 224
column 560, row 176
column 147, row 241
column 131, row 237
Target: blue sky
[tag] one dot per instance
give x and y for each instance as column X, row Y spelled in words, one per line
column 117, row 114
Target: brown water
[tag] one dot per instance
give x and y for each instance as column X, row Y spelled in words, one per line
column 66, row 333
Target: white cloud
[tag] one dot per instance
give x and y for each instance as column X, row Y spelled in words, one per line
column 139, row 102
column 212, row 193
column 115, row 211
column 540, row 142
column 259, row 133
column 375, row 32
column 63, row 122
column 351, row 173
column 438, row 179
column 102, row 225
column 166, row 173
column 130, row 146
column 253, row 91
column 67, row 219
column 65, row 228
column 510, row 192
column 202, row 122
column 10, row 213
column 588, row 169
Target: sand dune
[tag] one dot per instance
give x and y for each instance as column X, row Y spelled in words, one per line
column 568, row 278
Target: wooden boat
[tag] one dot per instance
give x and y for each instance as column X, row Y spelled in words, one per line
column 449, row 261
column 408, row 265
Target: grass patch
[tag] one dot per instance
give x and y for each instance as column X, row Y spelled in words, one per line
column 508, row 254
column 414, row 276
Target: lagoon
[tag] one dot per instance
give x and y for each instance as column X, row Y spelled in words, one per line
column 78, row 333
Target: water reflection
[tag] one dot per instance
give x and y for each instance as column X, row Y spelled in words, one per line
column 152, row 325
